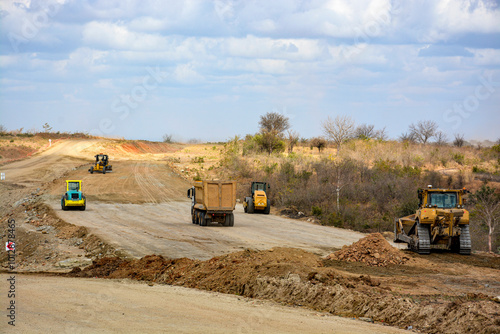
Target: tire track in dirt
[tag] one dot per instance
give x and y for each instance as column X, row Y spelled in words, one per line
column 144, row 184
column 165, row 193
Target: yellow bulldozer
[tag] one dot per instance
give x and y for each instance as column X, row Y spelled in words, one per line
column 257, row 201
column 101, row 164
column 440, row 222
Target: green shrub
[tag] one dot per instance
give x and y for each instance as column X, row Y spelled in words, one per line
column 458, row 158
column 335, row 220
column 476, row 169
column 198, row 160
column 316, row 211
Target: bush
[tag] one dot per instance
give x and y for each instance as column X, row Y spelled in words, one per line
column 458, row 158
column 476, row 169
column 316, row 211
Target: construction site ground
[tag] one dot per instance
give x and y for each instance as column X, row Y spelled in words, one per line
column 266, row 274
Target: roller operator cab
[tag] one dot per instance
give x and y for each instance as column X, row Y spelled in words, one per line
column 101, row 164
column 73, row 197
column 258, row 200
column 440, row 222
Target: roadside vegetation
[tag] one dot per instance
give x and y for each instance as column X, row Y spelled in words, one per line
column 354, row 177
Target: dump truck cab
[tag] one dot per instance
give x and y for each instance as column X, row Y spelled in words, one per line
column 73, row 197
column 101, row 164
column 440, row 222
column 258, row 200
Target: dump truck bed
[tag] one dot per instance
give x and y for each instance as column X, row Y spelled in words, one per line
column 215, row 196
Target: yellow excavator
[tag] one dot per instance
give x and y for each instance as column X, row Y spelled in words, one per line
column 440, row 222
column 258, row 201
column 101, row 164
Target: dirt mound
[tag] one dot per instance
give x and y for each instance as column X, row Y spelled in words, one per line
column 373, row 250
column 296, row 277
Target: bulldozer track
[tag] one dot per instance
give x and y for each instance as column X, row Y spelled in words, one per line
column 465, row 242
column 424, row 240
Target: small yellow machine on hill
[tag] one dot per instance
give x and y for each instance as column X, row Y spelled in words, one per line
column 73, row 197
column 257, row 201
column 441, row 222
column 101, row 164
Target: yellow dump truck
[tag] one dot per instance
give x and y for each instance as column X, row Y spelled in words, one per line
column 212, row 202
column 441, row 222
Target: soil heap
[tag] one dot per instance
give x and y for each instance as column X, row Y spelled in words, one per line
column 373, row 250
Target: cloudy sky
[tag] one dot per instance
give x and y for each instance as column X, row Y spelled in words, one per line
column 209, row 69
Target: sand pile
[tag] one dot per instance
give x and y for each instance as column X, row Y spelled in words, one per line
column 373, row 250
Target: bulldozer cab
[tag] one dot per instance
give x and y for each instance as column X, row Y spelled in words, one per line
column 259, row 186
column 441, row 198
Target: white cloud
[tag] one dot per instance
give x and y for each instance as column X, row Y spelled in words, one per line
column 186, row 74
column 117, row 36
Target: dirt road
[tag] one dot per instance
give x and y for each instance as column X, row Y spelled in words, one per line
column 68, row 305
column 141, row 208
column 166, row 229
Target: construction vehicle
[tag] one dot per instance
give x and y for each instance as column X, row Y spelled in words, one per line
column 212, row 202
column 73, row 197
column 101, row 164
column 440, row 222
column 257, row 201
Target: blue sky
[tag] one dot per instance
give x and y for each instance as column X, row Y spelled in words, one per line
column 209, row 69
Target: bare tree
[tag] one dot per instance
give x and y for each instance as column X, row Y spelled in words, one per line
column 272, row 126
column 3, row 129
column 167, row 138
column 407, row 137
column 318, row 142
column 365, row 131
column 381, row 134
column 293, row 139
column 339, row 129
column 487, row 209
column 459, row 140
column 441, row 138
column 47, row 127
column 423, row 130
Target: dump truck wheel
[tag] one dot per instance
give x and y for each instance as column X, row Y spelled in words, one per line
column 268, row 207
column 251, row 207
column 193, row 217
column 196, row 217
column 227, row 220
column 232, row 219
column 203, row 222
column 245, row 207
